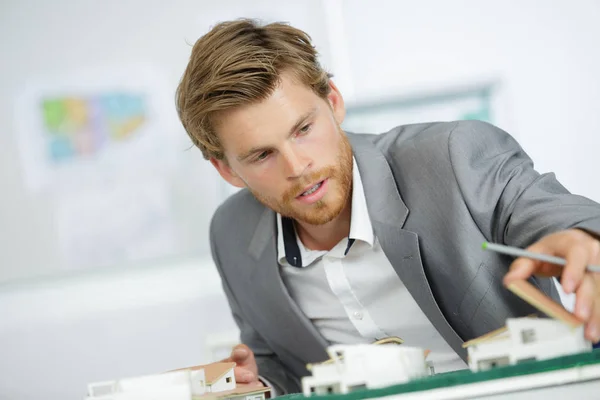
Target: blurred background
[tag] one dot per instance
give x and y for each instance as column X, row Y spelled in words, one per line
column 105, row 269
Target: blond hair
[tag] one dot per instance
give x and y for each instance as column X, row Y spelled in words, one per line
column 238, row 63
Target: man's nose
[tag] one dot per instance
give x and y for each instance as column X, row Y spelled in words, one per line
column 296, row 164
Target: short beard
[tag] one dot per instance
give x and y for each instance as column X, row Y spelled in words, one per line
column 322, row 211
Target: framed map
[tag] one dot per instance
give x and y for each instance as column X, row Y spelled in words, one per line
column 99, row 126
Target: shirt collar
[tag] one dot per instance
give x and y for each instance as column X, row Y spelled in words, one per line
column 360, row 222
column 361, row 228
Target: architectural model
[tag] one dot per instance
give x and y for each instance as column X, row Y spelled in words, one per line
column 208, row 382
column 534, row 353
column 529, row 339
column 364, row 366
column 528, row 353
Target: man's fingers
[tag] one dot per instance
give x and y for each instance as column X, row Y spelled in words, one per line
column 592, row 329
column 244, row 358
column 585, row 297
column 548, row 270
column 577, row 258
column 242, row 355
column 238, row 354
column 245, row 370
column 244, row 375
column 521, row 269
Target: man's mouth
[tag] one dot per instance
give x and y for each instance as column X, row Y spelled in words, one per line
column 311, row 190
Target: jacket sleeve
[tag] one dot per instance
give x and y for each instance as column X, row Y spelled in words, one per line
column 509, row 200
column 269, row 365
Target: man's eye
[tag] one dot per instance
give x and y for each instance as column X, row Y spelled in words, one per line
column 262, row 156
column 305, row 128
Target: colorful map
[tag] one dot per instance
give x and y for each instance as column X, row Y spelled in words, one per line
column 83, row 126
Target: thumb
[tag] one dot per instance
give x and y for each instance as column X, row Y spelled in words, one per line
column 241, row 354
column 522, row 268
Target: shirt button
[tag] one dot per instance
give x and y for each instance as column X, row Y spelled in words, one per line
column 358, row 315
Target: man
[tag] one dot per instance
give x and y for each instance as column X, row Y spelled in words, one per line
column 341, row 237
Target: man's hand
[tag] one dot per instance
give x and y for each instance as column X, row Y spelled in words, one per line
column 246, row 370
column 579, row 249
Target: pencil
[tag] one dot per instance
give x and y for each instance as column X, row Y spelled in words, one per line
column 516, row 252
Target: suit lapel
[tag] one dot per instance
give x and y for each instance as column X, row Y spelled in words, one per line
column 388, row 214
column 295, row 332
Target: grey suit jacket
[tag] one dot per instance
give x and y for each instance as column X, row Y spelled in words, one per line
column 435, row 192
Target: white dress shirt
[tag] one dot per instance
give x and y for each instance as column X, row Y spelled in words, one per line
column 352, row 293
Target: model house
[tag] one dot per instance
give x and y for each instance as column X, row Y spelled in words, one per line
column 364, row 366
column 176, row 385
column 206, row 382
column 528, row 339
column 220, row 384
column 219, row 377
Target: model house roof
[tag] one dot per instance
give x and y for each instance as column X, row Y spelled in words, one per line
column 539, row 300
column 487, row 337
column 213, row 372
column 389, row 340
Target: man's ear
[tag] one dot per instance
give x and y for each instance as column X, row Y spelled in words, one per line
column 336, row 101
column 227, row 172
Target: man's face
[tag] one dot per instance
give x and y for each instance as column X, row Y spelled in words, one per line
column 290, row 152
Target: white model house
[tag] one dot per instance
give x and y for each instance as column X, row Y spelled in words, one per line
column 526, row 339
column 219, row 377
column 176, row 385
column 361, row 366
column 207, row 382
column 529, row 339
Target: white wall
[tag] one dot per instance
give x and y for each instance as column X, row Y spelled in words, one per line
column 57, row 334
